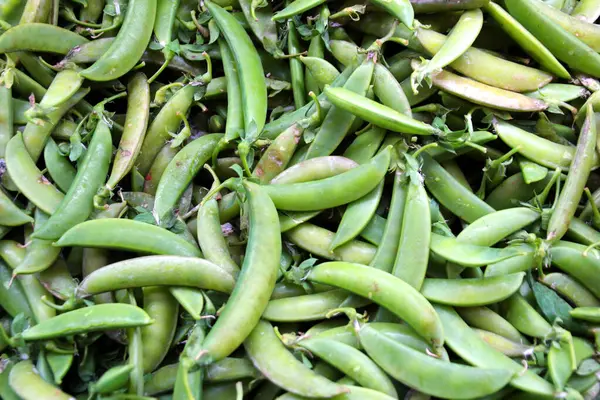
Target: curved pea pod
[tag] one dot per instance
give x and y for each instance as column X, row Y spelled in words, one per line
column 69, row 81
column 59, row 167
column 278, row 155
column 573, row 259
column 561, row 92
column 179, row 173
column 39, row 37
column 40, row 254
column 469, row 255
column 486, row 319
column 77, row 205
column 376, row 113
column 571, row 289
column 590, row 314
column 561, row 363
column 157, row 271
column 271, row 358
column 315, row 169
column 491, row 228
column 28, row 384
column 428, row 374
column 451, row 193
column 330, row 192
column 323, row 72
column 317, row 240
column 467, row 344
column 503, row 345
column 524, row 317
column 99, row 317
column 112, row 380
column 526, row 40
column 472, row 291
column 162, row 308
column 136, row 122
column 564, row 45
column 296, row 7
column 160, row 163
column 391, row 293
column 389, row 91
column 587, row 10
column 12, row 297
column 513, row 190
column 351, row 362
column 10, row 213
column 291, row 220
column 436, row 6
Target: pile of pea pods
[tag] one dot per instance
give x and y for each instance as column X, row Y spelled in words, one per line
column 300, row 199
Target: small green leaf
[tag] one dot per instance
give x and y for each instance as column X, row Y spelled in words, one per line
column 154, row 45
column 145, row 217
column 307, row 264
column 238, row 170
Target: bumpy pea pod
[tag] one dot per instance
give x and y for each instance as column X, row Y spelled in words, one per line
column 428, row 374
column 26, row 381
column 492, row 228
column 136, row 122
column 255, row 282
column 40, row 254
column 360, row 280
column 271, row 358
column 251, row 76
column 486, row 319
column 319, row 69
column 467, row 254
column 77, row 204
column 129, row 45
column 318, row 168
column 458, row 41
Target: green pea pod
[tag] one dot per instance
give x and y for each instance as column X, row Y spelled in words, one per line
column 524, row 317
column 352, row 362
column 136, row 122
column 571, row 289
column 39, row 37
column 6, row 391
column 89, row 319
column 129, row 45
column 376, row 113
column 59, row 365
column 157, row 271
column 428, row 374
column 157, row 169
column 330, row 192
column 179, row 173
column 364, row 146
column 59, row 168
column 251, row 76
column 526, row 40
column 271, row 358
column 10, row 213
column 579, row 171
column 467, row 344
column 473, row 291
column 591, row 314
column 69, row 82
column 587, row 10
column 492, row 228
column 12, row 297
column 360, row 280
column 432, row 6
column 296, row 7
column 112, row 380
column 317, row 240
column 26, row 381
column 40, row 253
column 321, row 70
column 389, row 91
column 167, row 120
column 563, row 44
column 166, row 11
column 277, row 156
column 315, row 169
column 8, row 116
column 255, row 282
column 128, row 235
column 486, row 319
column 296, row 68
column 161, row 307
column 469, row 255
column 486, row 68
column 503, row 345
column 316, row 51
column 31, row 181
column 561, row 363
column 77, row 205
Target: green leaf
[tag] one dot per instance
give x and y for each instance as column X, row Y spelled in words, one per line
column 238, row 170
column 154, row 45
column 178, row 227
column 307, row 264
column 145, row 217
column 173, row 46
column 214, row 31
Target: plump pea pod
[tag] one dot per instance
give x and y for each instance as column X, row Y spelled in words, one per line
column 9, row 116
column 571, row 289
column 338, row 121
column 364, row 146
column 458, row 41
column 211, row 240
column 157, row 271
column 315, row 169
column 163, row 308
column 129, row 45
column 587, row 10
column 277, row 156
column 389, row 91
column 89, row 319
column 36, row 11
column 376, row 113
column 486, row 68
column 316, row 51
column 524, row 317
column 590, row 314
column 251, row 76
column 157, row 169
column 309, row 307
column 472, row 291
column 112, row 380
column 40, row 254
column 296, row 7
column 394, row 295
column 560, row 92
column 296, row 67
column 486, row 319
column 31, row 181
column 271, row 358
column 354, row 393
column 166, row 11
column 322, row 71
column 10, row 213
column 12, row 296
column 428, row 374
column 503, row 345
column 561, row 364
column 167, row 120
column 413, row 246
column 27, row 382
column 469, row 255
column 180, row 172
column 255, row 282
column 316, row 240
column 136, row 122
column 467, row 344
column 39, row 37
column 68, row 81
column 128, row 235
column 579, row 171
column 563, row 44
column 330, row 192
column 59, row 168
column 492, row 228
column 291, row 220
column 351, row 362
column 526, row 40
column 77, row 205
column 432, row 6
